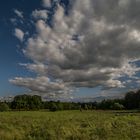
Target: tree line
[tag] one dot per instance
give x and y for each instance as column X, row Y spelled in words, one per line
column 28, row 102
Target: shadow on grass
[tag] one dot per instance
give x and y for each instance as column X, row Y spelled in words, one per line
column 127, row 112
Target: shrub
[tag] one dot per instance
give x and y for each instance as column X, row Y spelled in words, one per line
column 117, row 106
column 4, row 107
column 53, row 107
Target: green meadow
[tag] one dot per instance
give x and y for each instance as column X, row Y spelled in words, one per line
column 69, row 125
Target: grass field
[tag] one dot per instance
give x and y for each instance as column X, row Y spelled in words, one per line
column 69, row 125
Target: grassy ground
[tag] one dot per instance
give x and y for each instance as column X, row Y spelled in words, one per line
column 70, row 125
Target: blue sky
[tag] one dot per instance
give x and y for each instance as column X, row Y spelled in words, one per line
column 62, row 47
column 10, row 55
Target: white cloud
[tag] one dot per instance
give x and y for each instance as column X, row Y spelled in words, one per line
column 96, row 44
column 46, row 3
column 135, row 35
column 19, row 13
column 124, row 3
column 40, row 69
column 40, row 14
column 114, row 84
column 41, row 84
column 13, row 20
column 19, row 34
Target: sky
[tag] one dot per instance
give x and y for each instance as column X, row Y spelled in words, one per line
column 69, row 48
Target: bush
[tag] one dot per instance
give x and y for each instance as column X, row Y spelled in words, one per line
column 117, row 106
column 4, row 107
column 53, row 107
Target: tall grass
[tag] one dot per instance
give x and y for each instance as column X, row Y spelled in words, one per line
column 69, row 125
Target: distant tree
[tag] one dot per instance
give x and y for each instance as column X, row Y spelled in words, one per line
column 105, row 104
column 35, row 102
column 26, row 102
column 86, row 107
column 4, row 107
column 53, row 107
column 94, row 105
column 59, row 106
column 117, row 106
column 132, row 100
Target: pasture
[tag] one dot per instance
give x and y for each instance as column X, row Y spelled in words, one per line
column 69, row 125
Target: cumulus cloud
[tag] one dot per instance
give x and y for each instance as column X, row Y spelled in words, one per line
column 40, row 14
column 19, row 13
column 46, row 3
column 13, row 21
column 39, row 68
column 95, row 44
column 19, row 34
column 42, row 84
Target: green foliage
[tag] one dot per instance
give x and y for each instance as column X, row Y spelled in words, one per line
column 86, row 107
column 132, row 100
column 53, row 107
column 4, row 107
column 27, row 102
column 117, row 106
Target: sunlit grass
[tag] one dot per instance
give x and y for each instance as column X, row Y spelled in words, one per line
column 69, row 125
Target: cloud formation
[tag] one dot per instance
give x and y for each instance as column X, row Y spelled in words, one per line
column 19, row 13
column 46, row 3
column 41, row 84
column 19, row 34
column 95, row 44
column 40, row 14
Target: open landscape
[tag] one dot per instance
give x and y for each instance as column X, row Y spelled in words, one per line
column 70, row 125
column 70, row 70
column 28, row 117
